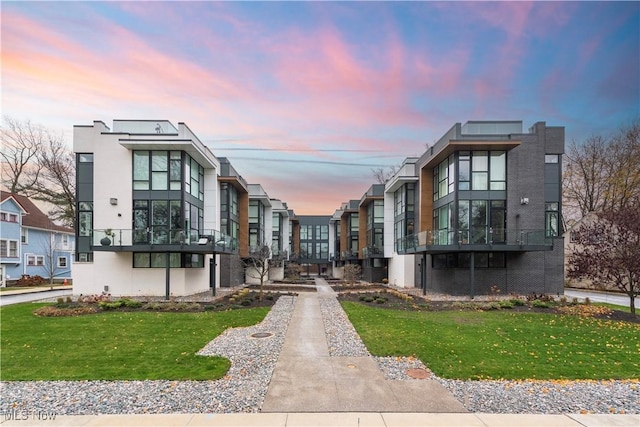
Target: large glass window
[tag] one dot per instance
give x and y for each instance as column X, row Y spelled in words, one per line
column 498, row 221
column 175, row 174
column 85, row 218
column 140, row 170
column 552, row 219
column 479, row 170
column 443, row 224
column 159, row 260
column 482, row 170
column 157, row 170
column 354, row 222
column 444, row 178
column 479, row 221
column 498, row 170
column 463, row 260
column 464, row 170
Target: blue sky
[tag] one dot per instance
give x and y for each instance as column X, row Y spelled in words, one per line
column 306, row 98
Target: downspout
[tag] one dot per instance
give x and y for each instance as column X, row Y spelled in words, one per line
column 167, row 277
column 472, row 275
column 423, row 269
column 212, row 274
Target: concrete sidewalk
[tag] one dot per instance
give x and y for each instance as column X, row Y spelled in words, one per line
column 36, row 289
column 334, row 419
column 307, row 379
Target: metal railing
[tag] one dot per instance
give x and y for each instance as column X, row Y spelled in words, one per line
column 161, row 236
column 473, row 236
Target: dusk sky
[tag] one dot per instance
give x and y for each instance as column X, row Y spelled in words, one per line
column 306, row 98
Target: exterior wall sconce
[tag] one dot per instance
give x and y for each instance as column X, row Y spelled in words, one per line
column 113, row 201
column 524, row 200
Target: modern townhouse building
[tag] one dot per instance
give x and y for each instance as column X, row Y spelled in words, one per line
column 371, row 234
column 487, row 210
column 400, row 216
column 30, row 243
column 313, row 255
column 148, row 200
column 234, row 222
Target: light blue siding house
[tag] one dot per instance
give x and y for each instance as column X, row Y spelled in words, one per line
column 31, row 244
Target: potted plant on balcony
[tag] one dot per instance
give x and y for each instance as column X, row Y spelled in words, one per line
column 106, row 241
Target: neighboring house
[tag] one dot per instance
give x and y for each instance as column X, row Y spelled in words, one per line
column 179, row 221
column 570, row 246
column 31, row 244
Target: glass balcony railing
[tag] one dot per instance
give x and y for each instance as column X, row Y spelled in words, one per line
column 162, row 236
column 372, row 252
column 474, row 236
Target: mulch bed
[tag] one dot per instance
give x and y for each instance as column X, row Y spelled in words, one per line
column 228, row 302
column 283, row 288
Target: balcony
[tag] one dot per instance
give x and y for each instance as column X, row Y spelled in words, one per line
column 373, row 252
column 477, row 239
column 348, row 256
column 160, row 239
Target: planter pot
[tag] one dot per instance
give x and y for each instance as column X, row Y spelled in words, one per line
column 105, row 241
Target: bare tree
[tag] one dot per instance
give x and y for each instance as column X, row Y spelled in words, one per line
column 607, row 251
column 602, row 173
column 382, row 175
column 38, row 164
column 21, row 142
column 352, row 272
column 257, row 265
column 57, row 185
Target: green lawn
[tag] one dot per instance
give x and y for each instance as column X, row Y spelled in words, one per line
column 114, row 345
column 502, row 344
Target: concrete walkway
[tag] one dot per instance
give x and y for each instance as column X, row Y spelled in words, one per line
column 307, row 379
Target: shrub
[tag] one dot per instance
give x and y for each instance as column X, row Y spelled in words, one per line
column 105, row 305
column 53, row 311
column 292, row 271
column 368, row 298
column 380, row 300
column 506, row 304
column 130, row 303
column 362, row 297
column 246, row 302
column 154, row 306
column 539, row 304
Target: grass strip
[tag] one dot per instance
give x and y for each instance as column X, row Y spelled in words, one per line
column 114, row 345
column 502, row 344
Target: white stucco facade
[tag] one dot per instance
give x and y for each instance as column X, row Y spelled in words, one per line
column 112, row 197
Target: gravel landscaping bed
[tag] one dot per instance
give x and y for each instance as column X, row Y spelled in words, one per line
column 533, row 397
column 241, row 390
